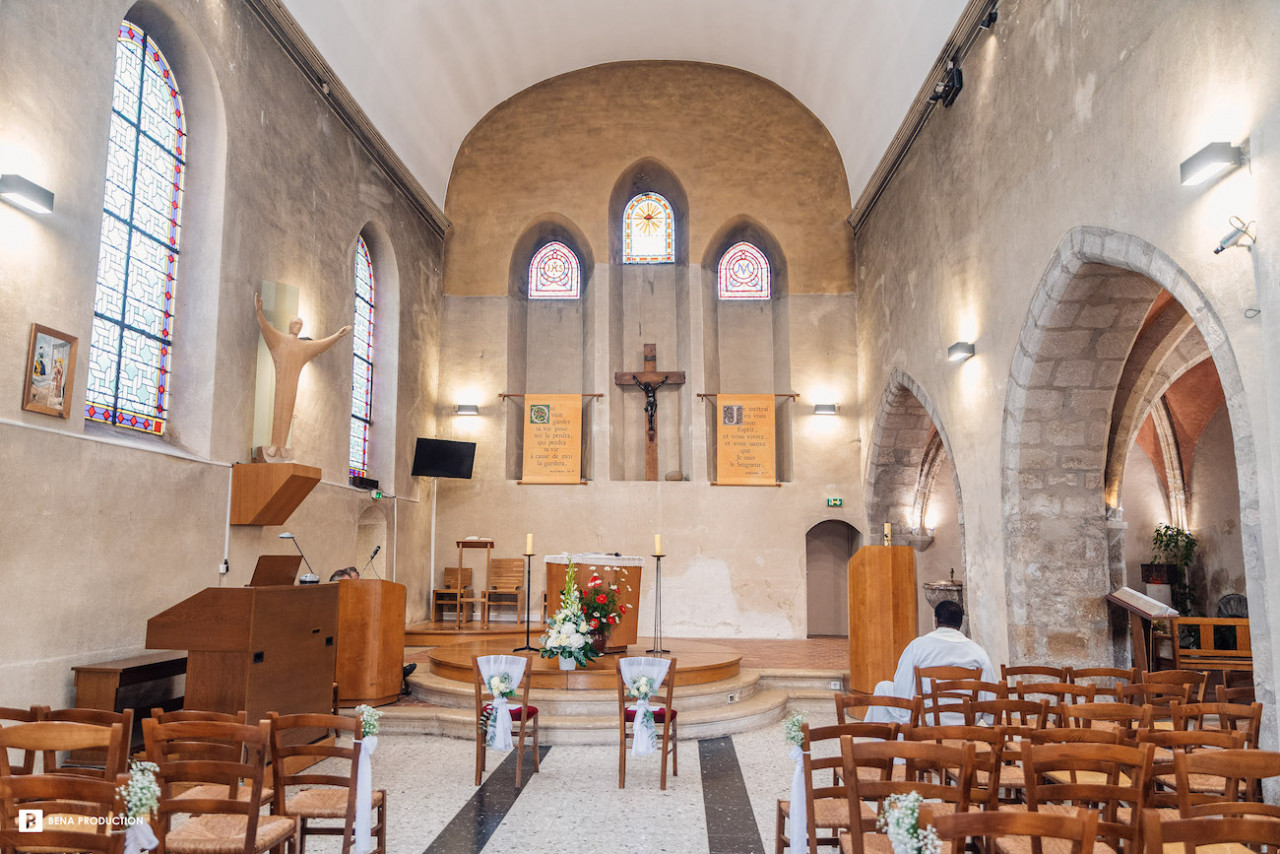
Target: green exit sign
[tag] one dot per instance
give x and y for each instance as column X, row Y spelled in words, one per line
column 835, row 502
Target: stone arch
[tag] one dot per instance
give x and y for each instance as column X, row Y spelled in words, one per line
column 649, row 174
column 1084, row 320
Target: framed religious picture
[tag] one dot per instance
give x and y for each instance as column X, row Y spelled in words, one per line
column 51, row 370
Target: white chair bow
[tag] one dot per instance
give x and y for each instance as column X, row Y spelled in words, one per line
column 645, row 735
column 799, row 803
column 140, row 837
column 498, row 733
column 364, row 795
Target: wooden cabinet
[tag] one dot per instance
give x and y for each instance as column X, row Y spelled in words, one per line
column 882, row 612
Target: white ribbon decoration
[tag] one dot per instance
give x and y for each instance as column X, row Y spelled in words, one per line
column 799, row 801
column 139, row 837
column 498, row 733
column 364, row 795
column 645, row 734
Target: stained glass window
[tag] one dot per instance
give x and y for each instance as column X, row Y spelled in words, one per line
column 362, row 365
column 648, row 231
column 129, row 353
column 744, row 273
column 554, row 273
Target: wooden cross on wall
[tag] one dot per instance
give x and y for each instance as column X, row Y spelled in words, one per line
column 649, row 381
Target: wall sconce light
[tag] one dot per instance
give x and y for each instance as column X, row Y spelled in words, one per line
column 919, row 540
column 20, row 192
column 1210, row 161
column 825, row 408
column 960, row 351
column 466, row 409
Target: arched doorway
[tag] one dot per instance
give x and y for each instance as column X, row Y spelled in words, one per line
column 828, row 546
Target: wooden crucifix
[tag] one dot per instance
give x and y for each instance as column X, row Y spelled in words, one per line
column 649, row 381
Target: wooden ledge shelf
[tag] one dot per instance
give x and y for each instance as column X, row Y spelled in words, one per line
column 268, row 493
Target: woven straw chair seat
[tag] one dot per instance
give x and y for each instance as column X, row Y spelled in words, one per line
column 323, row 803
column 872, row 843
column 829, row 812
column 224, row 834
column 1022, row 845
column 218, row 791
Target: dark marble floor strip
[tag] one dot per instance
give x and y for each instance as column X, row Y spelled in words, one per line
column 470, row 829
column 731, row 824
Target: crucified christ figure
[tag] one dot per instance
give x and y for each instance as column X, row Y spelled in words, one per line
column 650, row 399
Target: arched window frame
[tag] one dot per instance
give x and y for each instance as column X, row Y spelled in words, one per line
column 142, row 208
column 638, row 217
column 733, row 282
column 555, row 272
column 362, row 330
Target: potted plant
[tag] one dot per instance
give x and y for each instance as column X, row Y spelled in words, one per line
column 1173, row 550
column 567, row 637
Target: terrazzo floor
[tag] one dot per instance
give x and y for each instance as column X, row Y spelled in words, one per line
column 723, row 801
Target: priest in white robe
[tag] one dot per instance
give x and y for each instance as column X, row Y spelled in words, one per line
column 944, row 646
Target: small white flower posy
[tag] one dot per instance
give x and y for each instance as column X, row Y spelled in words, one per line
column 900, row 820
column 369, row 724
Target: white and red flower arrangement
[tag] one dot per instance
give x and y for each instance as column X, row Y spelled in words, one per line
column 600, row 606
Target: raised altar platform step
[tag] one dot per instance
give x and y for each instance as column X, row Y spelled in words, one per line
column 433, row 633
column 761, row 709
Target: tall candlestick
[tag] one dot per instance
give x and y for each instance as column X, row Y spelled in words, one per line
column 888, row 534
column 528, row 544
column 657, row 544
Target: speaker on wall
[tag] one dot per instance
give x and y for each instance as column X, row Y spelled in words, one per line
column 443, row 458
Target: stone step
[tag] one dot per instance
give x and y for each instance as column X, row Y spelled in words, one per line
column 760, row 709
column 438, row 691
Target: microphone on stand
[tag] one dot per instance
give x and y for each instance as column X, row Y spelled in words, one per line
column 376, row 549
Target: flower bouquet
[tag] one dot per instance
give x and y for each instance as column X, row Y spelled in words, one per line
column 566, row 637
column 641, row 688
column 141, row 796
column 368, row 720
column 499, row 685
column 600, row 605
column 900, row 820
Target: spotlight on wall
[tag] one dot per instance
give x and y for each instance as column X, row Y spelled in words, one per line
column 1239, row 231
column 1211, row 161
column 960, row 351
column 989, row 20
column 20, row 192
column 825, row 408
column 466, row 409
column 948, row 88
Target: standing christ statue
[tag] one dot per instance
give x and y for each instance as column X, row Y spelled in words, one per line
column 289, row 353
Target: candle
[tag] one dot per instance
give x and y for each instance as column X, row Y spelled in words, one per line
column 657, row 544
column 528, row 544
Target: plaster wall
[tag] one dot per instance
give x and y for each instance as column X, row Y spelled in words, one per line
column 1215, row 516
column 1143, row 498
column 946, row 553
column 104, row 529
column 1058, row 101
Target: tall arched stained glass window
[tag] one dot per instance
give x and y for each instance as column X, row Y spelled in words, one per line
column 132, row 343
column 362, row 363
column 744, row 273
column 554, row 273
column 648, row 231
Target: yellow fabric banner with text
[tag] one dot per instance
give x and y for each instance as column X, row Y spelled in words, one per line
column 552, row 438
column 745, row 440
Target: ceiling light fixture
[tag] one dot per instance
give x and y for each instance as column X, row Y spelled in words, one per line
column 960, row 351
column 1211, row 161
column 26, row 194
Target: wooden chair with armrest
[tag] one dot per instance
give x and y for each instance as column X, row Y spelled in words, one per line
column 505, row 586
column 323, row 797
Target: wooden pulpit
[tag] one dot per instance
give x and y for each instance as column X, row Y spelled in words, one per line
column 261, row 649
column 370, row 641
column 610, row 569
column 882, row 612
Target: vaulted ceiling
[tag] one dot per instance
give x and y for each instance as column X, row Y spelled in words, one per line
column 426, row 71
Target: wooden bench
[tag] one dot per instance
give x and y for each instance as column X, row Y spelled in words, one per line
column 454, row 594
column 1211, row 643
column 506, row 586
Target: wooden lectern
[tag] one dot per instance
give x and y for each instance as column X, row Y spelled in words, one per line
column 882, row 612
column 370, row 641
column 261, row 649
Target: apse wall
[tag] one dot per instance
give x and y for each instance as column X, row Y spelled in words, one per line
column 105, row 528
column 727, row 148
column 1063, row 148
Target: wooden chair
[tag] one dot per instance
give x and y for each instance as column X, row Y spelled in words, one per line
column 327, row 797
column 847, row 704
column 505, row 587
column 1167, row 743
column 51, row 737
column 1124, row 718
column 1161, row 699
column 664, row 715
column 1115, row 779
column 1236, row 693
column 1017, row 719
column 1106, row 680
column 1236, row 773
column 937, row 771
column 988, row 743
column 1011, row 676
column 826, row 806
column 1057, row 693
column 1193, row 679
column 1221, row 716
column 942, row 671
column 517, row 667
column 231, row 823
column 195, row 748
column 456, row 587
column 1080, row 828
column 9, row 716
column 81, row 761
column 83, row 808
column 1184, row 836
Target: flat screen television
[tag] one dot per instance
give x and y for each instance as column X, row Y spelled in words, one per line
column 443, row 458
